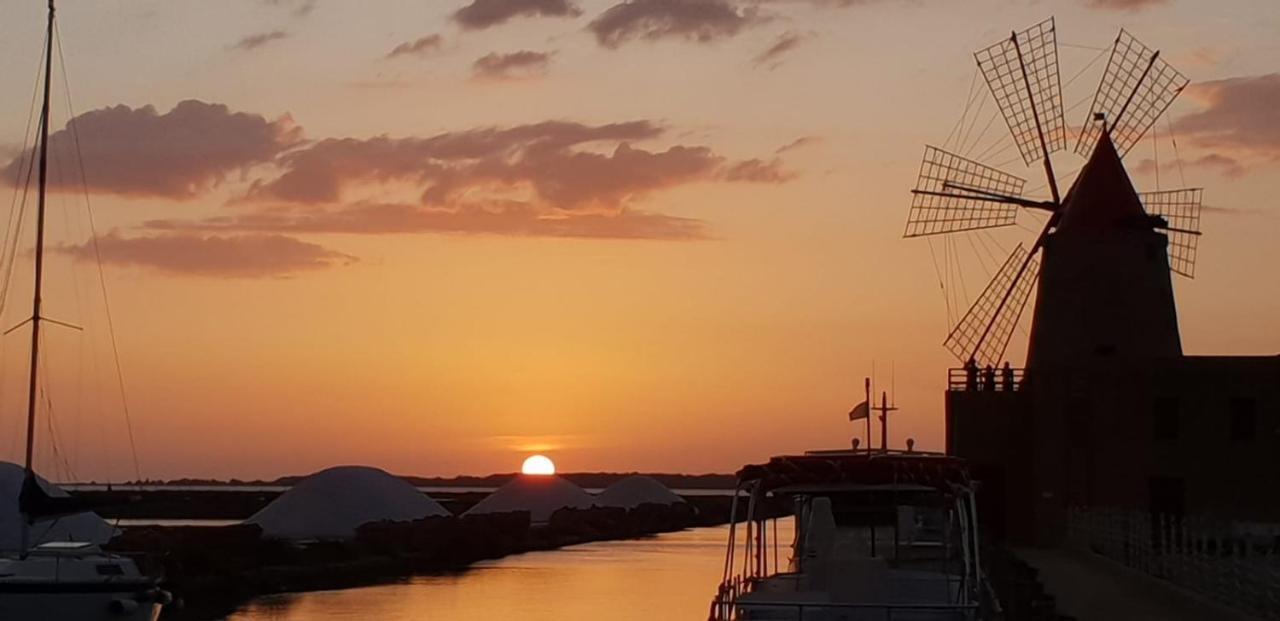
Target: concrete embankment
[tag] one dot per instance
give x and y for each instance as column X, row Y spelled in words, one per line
column 1088, row 587
column 215, row 569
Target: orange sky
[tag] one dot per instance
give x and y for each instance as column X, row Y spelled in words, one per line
column 652, row 235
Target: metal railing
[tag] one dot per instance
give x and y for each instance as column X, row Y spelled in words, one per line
column 723, row 610
column 1211, row 557
column 999, row 380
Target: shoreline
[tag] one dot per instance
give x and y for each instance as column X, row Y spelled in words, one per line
column 214, row 570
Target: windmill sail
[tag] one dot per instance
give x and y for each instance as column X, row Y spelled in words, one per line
column 1022, row 73
column 1137, row 87
column 954, row 194
column 1181, row 211
column 985, row 329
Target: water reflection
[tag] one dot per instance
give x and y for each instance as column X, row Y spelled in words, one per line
column 670, row 576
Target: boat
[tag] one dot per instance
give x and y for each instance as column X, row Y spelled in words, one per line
column 879, row 535
column 42, row 580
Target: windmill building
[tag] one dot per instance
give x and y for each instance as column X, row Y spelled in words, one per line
column 1108, row 412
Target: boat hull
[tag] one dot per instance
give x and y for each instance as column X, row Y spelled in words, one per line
column 97, row 604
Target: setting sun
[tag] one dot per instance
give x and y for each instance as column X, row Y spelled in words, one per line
column 539, row 465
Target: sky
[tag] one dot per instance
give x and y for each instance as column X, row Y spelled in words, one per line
column 434, row 236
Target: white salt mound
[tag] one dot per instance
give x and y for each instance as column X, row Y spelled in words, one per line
column 540, row 495
column 86, row 527
column 332, row 503
column 637, row 490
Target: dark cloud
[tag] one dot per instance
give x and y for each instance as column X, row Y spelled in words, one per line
column 177, row 155
column 692, row 20
column 482, row 14
column 255, row 41
column 786, row 42
column 516, row 65
column 419, row 47
column 1123, row 5
column 1238, row 115
column 240, row 255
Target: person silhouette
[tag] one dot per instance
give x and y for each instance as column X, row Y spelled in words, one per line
column 1006, row 377
column 971, row 375
column 989, row 378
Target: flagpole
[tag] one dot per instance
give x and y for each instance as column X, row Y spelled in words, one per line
column 884, row 422
column 866, row 382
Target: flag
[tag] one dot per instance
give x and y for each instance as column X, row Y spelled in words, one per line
column 862, row 410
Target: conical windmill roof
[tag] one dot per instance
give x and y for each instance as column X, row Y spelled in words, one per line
column 1103, row 196
column 637, row 490
column 86, row 527
column 332, row 503
column 540, row 495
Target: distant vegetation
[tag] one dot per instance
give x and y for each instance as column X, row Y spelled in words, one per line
column 583, row 479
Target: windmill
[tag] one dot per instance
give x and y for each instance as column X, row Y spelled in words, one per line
column 955, row 194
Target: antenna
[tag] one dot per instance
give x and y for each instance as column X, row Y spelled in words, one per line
column 1179, row 211
column 1137, row 87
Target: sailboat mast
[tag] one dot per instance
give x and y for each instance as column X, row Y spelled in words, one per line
column 33, row 387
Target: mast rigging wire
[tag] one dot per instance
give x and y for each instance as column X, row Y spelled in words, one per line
column 97, row 254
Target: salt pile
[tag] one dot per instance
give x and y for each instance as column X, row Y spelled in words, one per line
column 637, row 490
column 86, row 527
column 540, row 495
column 332, row 503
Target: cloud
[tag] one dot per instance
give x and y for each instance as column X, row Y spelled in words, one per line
column 1226, row 166
column 798, row 143
column 758, row 171
column 511, row 219
column 300, row 8
column 419, row 47
column 178, row 155
column 244, row 255
column 555, row 178
column 702, row 21
column 255, row 41
column 1123, row 5
column 516, row 65
column 481, row 14
column 454, row 163
column 784, row 44
column 1237, row 114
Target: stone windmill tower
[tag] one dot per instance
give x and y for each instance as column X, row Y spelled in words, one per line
column 1101, row 262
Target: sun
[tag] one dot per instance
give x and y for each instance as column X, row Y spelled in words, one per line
column 538, row 465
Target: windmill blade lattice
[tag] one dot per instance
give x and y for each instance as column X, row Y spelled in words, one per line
column 1137, row 87
column 1181, row 210
column 999, row 306
column 949, row 196
column 1030, row 99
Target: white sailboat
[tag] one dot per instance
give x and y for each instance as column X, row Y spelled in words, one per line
column 62, row 579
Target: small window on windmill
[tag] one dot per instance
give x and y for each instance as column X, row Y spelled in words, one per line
column 1165, row 419
column 1243, row 412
